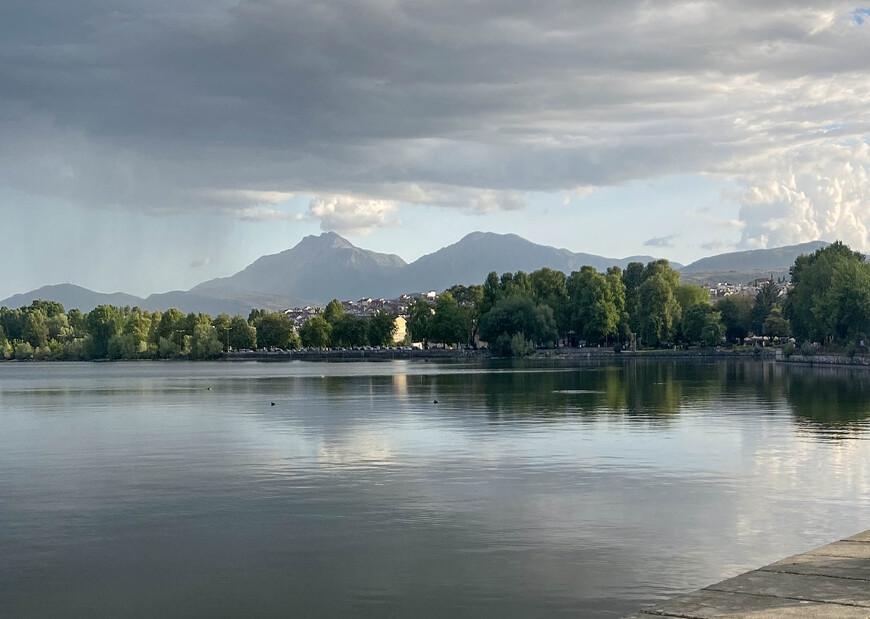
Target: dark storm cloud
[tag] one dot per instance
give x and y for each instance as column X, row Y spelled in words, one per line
column 179, row 104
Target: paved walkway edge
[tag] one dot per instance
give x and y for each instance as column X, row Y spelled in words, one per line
column 831, row 581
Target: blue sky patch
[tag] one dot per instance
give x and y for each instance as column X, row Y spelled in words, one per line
column 859, row 15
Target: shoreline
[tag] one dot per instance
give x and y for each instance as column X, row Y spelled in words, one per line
column 559, row 354
column 830, row 581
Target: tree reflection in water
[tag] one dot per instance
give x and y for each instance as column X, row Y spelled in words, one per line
column 824, row 400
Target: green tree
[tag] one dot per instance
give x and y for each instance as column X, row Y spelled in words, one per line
column 842, row 313
column 77, row 322
column 703, row 325
column 492, row 292
column 713, row 333
column 223, row 324
column 104, row 321
column 658, row 310
column 138, row 329
column 593, row 311
column 22, row 350
column 205, row 343
column 450, row 323
column 35, row 328
column 420, row 320
column 520, row 285
column 172, row 327
column 382, row 327
column 122, row 346
column 546, row 330
column 689, row 295
column 764, row 301
column 470, row 299
column 333, row 312
column 12, row 322
column 255, row 314
column 5, row 346
column 662, row 267
column 243, row 336
column 315, row 333
column 59, row 328
column 632, row 278
column 811, row 297
column 550, row 288
column 736, row 313
column 350, row 331
column 275, row 330
column 617, row 292
column 49, row 308
column 513, row 315
column 776, row 325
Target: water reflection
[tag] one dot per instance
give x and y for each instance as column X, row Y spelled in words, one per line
column 824, row 400
column 527, row 491
column 832, row 402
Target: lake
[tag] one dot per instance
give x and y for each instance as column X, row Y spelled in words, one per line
column 529, row 490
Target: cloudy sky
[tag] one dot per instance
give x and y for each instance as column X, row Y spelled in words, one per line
column 147, row 145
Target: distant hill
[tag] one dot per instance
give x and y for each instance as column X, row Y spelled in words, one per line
column 214, row 304
column 71, row 296
column 754, row 259
column 320, row 268
column 471, row 259
column 328, row 266
column 316, row 270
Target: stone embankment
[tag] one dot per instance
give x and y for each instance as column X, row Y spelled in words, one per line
column 831, row 581
column 358, row 355
column 699, row 353
column 824, row 359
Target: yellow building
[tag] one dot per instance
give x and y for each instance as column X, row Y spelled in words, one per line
column 401, row 330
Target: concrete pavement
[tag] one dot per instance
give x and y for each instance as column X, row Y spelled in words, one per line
column 831, row 581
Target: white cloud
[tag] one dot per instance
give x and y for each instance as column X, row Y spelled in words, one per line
column 350, row 214
column 818, row 191
column 262, row 213
column 660, row 241
column 706, row 215
column 253, row 196
column 446, row 103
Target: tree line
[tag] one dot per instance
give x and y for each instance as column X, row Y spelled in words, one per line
column 829, row 303
column 517, row 312
column 43, row 330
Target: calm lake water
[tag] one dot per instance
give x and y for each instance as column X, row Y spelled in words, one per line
column 178, row 490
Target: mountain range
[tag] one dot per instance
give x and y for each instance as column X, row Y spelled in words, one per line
column 328, row 266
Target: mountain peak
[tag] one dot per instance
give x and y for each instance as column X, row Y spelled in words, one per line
column 326, row 239
column 479, row 236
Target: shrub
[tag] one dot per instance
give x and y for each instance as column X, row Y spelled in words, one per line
column 520, row 346
column 22, row 350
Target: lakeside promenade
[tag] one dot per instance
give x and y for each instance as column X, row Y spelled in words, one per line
column 481, row 354
column 831, row 581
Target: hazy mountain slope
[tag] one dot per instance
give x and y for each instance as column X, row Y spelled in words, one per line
column 471, row 259
column 188, row 301
column 755, row 259
column 71, row 296
column 328, row 266
column 317, row 269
